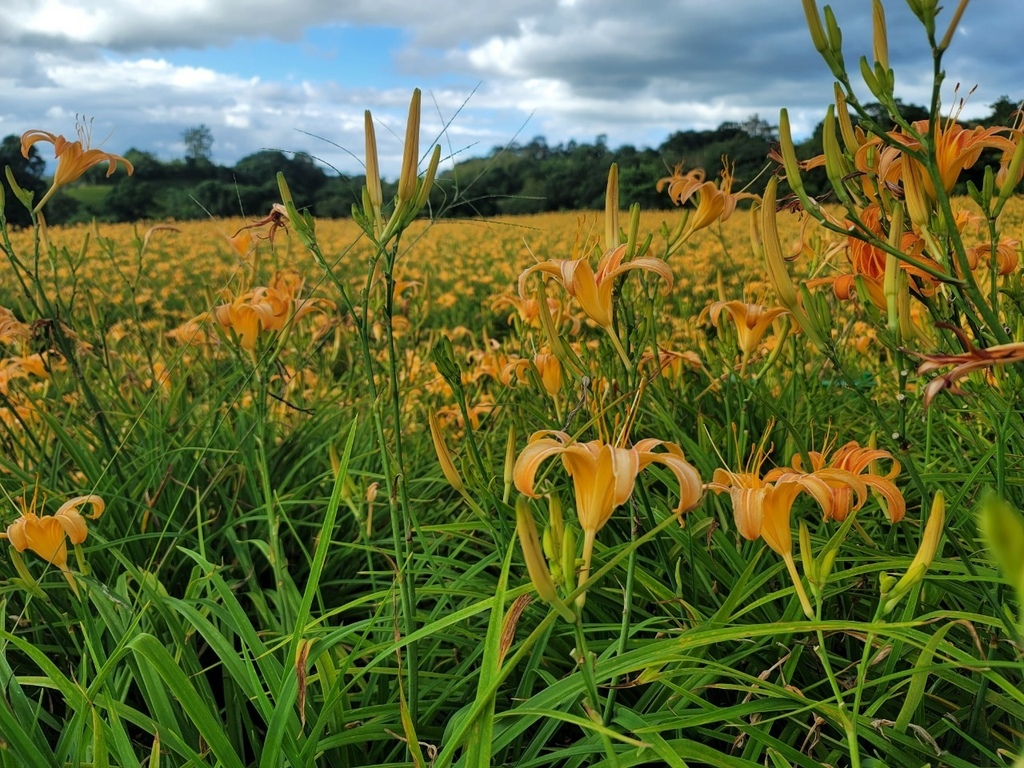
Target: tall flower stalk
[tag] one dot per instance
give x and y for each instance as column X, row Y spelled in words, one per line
column 384, row 231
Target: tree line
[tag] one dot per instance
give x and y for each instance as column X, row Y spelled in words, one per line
column 516, row 178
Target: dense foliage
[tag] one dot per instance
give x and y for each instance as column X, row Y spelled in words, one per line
column 699, row 487
column 517, row 178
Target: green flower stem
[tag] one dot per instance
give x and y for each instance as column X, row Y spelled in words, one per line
column 848, row 724
column 627, row 614
column 619, row 348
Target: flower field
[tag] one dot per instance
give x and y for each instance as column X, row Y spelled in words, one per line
column 736, row 486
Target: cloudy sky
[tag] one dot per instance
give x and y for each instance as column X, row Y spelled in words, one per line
column 297, row 75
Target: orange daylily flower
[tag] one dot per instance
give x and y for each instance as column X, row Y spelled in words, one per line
column 73, row 158
column 12, row 330
column 763, row 509
column 760, row 504
column 681, row 185
column 715, row 202
column 867, row 262
column 47, row 535
column 545, row 364
column 752, row 321
column 12, row 368
column 603, row 477
column 956, row 148
column 1007, row 256
column 669, row 363
column 849, row 459
column 267, row 308
column 593, row 289
column 528, row 309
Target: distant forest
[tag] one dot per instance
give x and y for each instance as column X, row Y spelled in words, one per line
column 518, row 178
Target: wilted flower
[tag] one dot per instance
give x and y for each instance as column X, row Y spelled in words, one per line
column 974, row 359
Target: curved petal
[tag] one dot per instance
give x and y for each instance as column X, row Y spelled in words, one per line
column 776, row 529
column 833, row 477
column 895, row 506
column 602, row 481
column 610, row 262
column 551, row 268
column 748, row 510
column 45, row 537
column 31, row 137
column 582, row 285
column 690, row 487
column 73, row 525
column 16, row 533
column 538, row 449
column 646, row 263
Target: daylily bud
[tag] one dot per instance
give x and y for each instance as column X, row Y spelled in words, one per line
column 611, row 209
column 634, row 249
column 568, row 556
column 845, row 124
column 411, row 156
column 768, row 237
column 444, row 457
column 24, row 196
column 1002, row 529
column 881, row 40
column 510, row 460
column 836, row 166
column 1010, row 178
column 828, row 559
column 443, row 357
column 871, row 79
column 428, row 178
column 925, row 554
column 834, row 34
column 953, row 24
column 27, row 580
column 925, row 10
column 373, row 188
column 807, row 556
column 536, row 565
column 778, row 275
column 891, row 288
column 789, row 161
column 556, row 341
column 914, row 193
column 814, row 25
column 556, row 523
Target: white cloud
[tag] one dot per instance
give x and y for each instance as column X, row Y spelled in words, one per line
column 580, row 68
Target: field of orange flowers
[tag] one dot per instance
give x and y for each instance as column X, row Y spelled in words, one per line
column 733, row 487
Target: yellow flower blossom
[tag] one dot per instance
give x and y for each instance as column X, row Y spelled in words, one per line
column 48, row 535
column 73, row 158
column 603, row 477
column 593, row 289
